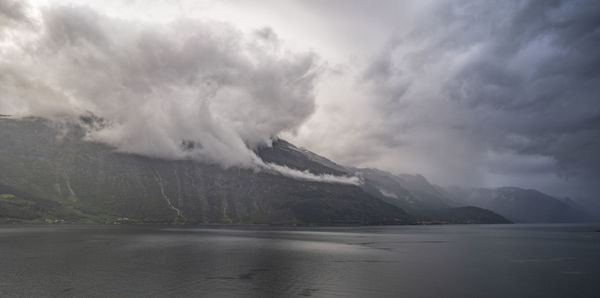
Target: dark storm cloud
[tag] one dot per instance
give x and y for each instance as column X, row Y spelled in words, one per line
column 518, row 81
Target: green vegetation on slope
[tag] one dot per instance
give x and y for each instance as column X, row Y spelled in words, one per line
column 63, row 177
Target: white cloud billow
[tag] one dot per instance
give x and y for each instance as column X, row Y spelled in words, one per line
column 187, row 89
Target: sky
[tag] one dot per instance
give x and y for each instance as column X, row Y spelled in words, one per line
column 471, row 92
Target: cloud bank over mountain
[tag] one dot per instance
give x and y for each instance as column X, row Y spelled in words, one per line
column 183, row 89
column 470, row 92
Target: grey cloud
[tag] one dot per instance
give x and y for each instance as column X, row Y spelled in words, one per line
column 461, row 84
column 13, row 15
column 268, row 34
column 12, row 12
column 465, row 92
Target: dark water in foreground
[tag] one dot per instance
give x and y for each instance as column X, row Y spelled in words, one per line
column 405, row 261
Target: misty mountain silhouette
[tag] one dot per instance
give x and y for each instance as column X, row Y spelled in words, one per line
column 51, row 174
column 522, row 205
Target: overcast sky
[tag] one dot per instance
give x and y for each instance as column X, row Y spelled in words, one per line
column 474, row 93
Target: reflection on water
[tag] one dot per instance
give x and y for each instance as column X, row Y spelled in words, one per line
column 409, row 261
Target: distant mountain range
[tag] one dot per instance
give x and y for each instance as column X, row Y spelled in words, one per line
column 522, row 205
column 53, row 175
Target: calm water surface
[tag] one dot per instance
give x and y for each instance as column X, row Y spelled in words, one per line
column 403, row 261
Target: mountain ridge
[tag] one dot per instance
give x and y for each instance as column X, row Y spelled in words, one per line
column 52, row 174
column 521, row 204
column 92, row 179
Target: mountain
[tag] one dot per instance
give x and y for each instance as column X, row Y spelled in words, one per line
column 426, row 203
column 48, row 172
column 521, row 205
column 591, row 205
column 412, row 192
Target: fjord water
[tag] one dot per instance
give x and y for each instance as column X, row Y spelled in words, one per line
column 401, row 261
